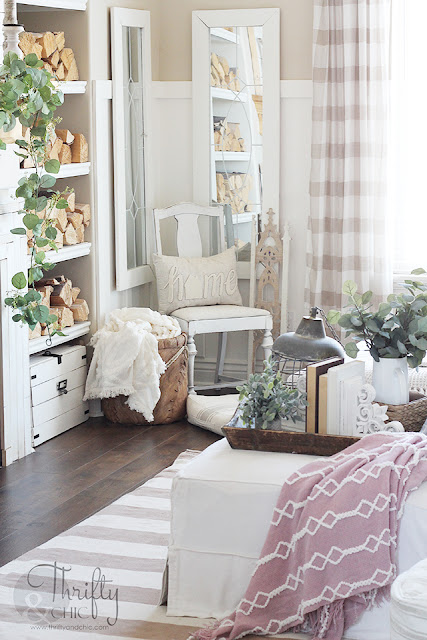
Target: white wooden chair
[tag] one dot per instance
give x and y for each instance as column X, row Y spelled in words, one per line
column 214, row 318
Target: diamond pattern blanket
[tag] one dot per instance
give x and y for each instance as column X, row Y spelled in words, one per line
column 331, row 548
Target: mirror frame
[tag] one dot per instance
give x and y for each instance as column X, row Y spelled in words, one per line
column 203, row 21
column 128, row 278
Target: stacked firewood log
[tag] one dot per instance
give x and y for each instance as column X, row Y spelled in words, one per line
column 227, row 136
column 50, row 47
column 64, row 146
column 70, row 223
column 234, row 189
column 222, row 75
column 63, row 301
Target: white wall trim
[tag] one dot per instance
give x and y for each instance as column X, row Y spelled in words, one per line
column 296, row 89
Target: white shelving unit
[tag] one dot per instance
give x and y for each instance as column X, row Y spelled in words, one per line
column 217, row 93
column 45, row 5
column 224, row 34
column 232, row 156
column 236, row 106
column 73, row 88
column 66, row 253
column 72, row 170
column 71, row 333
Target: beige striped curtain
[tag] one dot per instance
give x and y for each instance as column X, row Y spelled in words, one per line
column 348, row 230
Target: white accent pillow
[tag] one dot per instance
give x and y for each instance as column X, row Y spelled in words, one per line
column 196, row 282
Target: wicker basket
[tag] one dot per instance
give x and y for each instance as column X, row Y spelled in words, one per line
column 412, row 415
column 173, row 389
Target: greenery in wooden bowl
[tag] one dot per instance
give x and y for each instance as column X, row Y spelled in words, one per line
column 29, row 95
column 265, row 400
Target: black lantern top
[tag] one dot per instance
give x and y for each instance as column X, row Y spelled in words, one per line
column 309, row 342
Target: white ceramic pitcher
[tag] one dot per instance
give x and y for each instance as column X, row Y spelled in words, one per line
column 390, row 380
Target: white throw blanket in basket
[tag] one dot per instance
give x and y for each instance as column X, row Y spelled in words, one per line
column 126, row 358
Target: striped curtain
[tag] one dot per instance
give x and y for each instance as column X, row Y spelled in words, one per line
column 348, row 230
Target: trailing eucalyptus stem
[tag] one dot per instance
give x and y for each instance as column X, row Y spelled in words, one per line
column 29, row 96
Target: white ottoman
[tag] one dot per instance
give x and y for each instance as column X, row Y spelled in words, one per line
column 222, row 504
column 409, row 604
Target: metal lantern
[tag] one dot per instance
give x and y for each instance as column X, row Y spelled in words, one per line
column 294, row 351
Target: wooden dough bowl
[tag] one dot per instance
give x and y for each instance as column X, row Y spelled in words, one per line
column 311, row 444
column 173, row 389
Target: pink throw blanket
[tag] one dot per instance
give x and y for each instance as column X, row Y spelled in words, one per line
column 330, row 551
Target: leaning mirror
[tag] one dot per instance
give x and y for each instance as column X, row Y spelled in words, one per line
column 236, row 102
column 131, row 72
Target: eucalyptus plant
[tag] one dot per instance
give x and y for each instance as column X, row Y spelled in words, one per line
column 264, row 398
column 397, row 329
column 29, row 95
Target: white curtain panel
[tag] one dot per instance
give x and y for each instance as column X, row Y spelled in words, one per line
column 349, row 224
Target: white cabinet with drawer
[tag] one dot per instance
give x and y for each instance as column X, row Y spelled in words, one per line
column 58, row 380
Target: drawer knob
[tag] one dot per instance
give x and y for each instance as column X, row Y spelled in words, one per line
column 62, row 387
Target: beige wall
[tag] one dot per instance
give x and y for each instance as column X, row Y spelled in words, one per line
column 175, row 34
column 99, row 21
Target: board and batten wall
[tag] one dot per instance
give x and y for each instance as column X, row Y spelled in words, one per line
column 172, row 136
column 173, row 171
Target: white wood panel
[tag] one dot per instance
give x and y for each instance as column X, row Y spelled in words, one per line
column 51, row 428
column 57, row 406
column 49, row 389
column 173, row 183
column 43, row 368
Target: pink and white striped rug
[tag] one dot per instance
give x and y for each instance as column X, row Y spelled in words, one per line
column 100, row 579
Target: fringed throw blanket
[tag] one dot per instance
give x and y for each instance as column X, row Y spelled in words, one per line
column 331, row 548
column 126, row 358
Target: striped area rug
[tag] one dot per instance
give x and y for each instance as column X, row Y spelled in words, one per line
column 100, row 579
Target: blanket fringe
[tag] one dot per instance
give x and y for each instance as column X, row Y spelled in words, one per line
column 205, row 633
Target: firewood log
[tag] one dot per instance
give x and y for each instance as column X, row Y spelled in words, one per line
column 59, row 241
column 28, row 44
column 76, row 219
column 56, row 149
column 62, row 293
column 65, row 316
column 67, row 57
column 224, row 64
column 48, row 43
column 75, row 293
column 71, row 199
column 65, row 155
column 61, row 71
column 65, row 135
column 54, row 60
column 45, row 292
column 60, row 217
column 48, row 67
column 80, row 234
column 80, row 149
column 59, row 40
column 70, row 236
column 80, row 310
column 36, row 332
column 84, row 209
column 73, row 73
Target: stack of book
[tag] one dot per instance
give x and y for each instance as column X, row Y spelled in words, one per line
column 332, row 390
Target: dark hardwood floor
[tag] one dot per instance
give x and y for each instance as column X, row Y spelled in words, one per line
column 81, row 471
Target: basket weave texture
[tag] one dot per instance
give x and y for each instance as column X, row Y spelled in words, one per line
column 173, row 390
column 413, row 414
